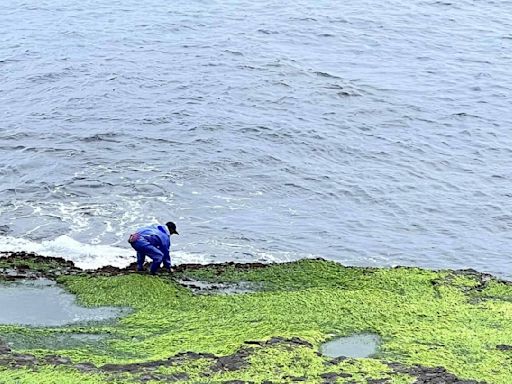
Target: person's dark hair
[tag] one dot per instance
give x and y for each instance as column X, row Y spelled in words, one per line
column 172, row 227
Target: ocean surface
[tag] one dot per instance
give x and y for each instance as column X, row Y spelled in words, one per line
column 369, row 132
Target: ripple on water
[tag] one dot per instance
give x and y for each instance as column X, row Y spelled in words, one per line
column 357, row 121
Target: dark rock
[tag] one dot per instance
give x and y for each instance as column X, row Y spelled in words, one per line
column 179, row 376
column 86, row 367
column 220, row 267
column 237, row 382
column 150, row 365
column 148, row 377
column 336, row 360
column 163, row 378
column 108, row 269
column 4, row 348
column 22, row 267
column 57, row 360
column 121, row 367
column 294, row 341
column 430, row 375
column 233, row 362
column 192, row 356
column 332, row 376
column 504, row 347
column 20, row 360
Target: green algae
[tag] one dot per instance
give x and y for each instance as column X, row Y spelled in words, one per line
column 423, row 317
column 33, row 264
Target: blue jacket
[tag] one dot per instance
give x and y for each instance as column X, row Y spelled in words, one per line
column 158, row 236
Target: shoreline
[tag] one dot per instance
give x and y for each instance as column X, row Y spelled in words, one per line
column 263, row 323
column 69, row 267
column 177, row 268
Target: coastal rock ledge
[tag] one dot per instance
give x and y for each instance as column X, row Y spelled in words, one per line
column 261, row 323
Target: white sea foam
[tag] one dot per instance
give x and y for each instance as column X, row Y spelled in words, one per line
column 87, row 256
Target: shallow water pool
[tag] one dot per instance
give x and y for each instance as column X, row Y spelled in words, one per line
column 356, row 346
column 42, row 303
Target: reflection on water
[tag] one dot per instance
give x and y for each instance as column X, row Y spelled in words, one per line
column 356, row 346
column 42, row 303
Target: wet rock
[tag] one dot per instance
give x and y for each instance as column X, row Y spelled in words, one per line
column 4, row 348
column 86, row 367
column 221, row 267
column 151, row 365
column 130, row 368
column 294, row 341
column 108, row 269
column 26, row 263
column 430, row 375
column 204, row 287
column 179, row 376
column 336, row 360
column 148, row 377
column 191, row 356
column 22, row 267
column 330, row 377
column 21, row 360
column 163, row 378
column 233, row 362
column 504, row 347
column 57, row 360
column 237, row 382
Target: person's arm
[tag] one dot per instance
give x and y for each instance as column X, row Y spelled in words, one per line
column 166, row 248
column 165, row 241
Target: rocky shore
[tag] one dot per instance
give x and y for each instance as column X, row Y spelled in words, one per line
column 263, row 323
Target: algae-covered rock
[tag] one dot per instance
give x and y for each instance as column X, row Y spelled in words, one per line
column 258, row 323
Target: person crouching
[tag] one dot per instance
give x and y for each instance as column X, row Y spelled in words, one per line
column 153, row 241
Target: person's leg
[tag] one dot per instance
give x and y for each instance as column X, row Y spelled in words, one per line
column 141, row 257
column 167, row 262
column 139, row 246
column 156, row 255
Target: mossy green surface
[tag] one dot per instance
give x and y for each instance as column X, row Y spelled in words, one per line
column 423, row 317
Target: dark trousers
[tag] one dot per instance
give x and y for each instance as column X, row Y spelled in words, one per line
column 145, row 248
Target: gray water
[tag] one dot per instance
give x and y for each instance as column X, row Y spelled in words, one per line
column 368, row 132
column 54, row 341
column 356, row 346
column 42, row 303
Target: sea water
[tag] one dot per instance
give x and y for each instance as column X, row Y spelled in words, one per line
column 370, row 132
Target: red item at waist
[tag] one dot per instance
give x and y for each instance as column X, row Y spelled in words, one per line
column 134, row 237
